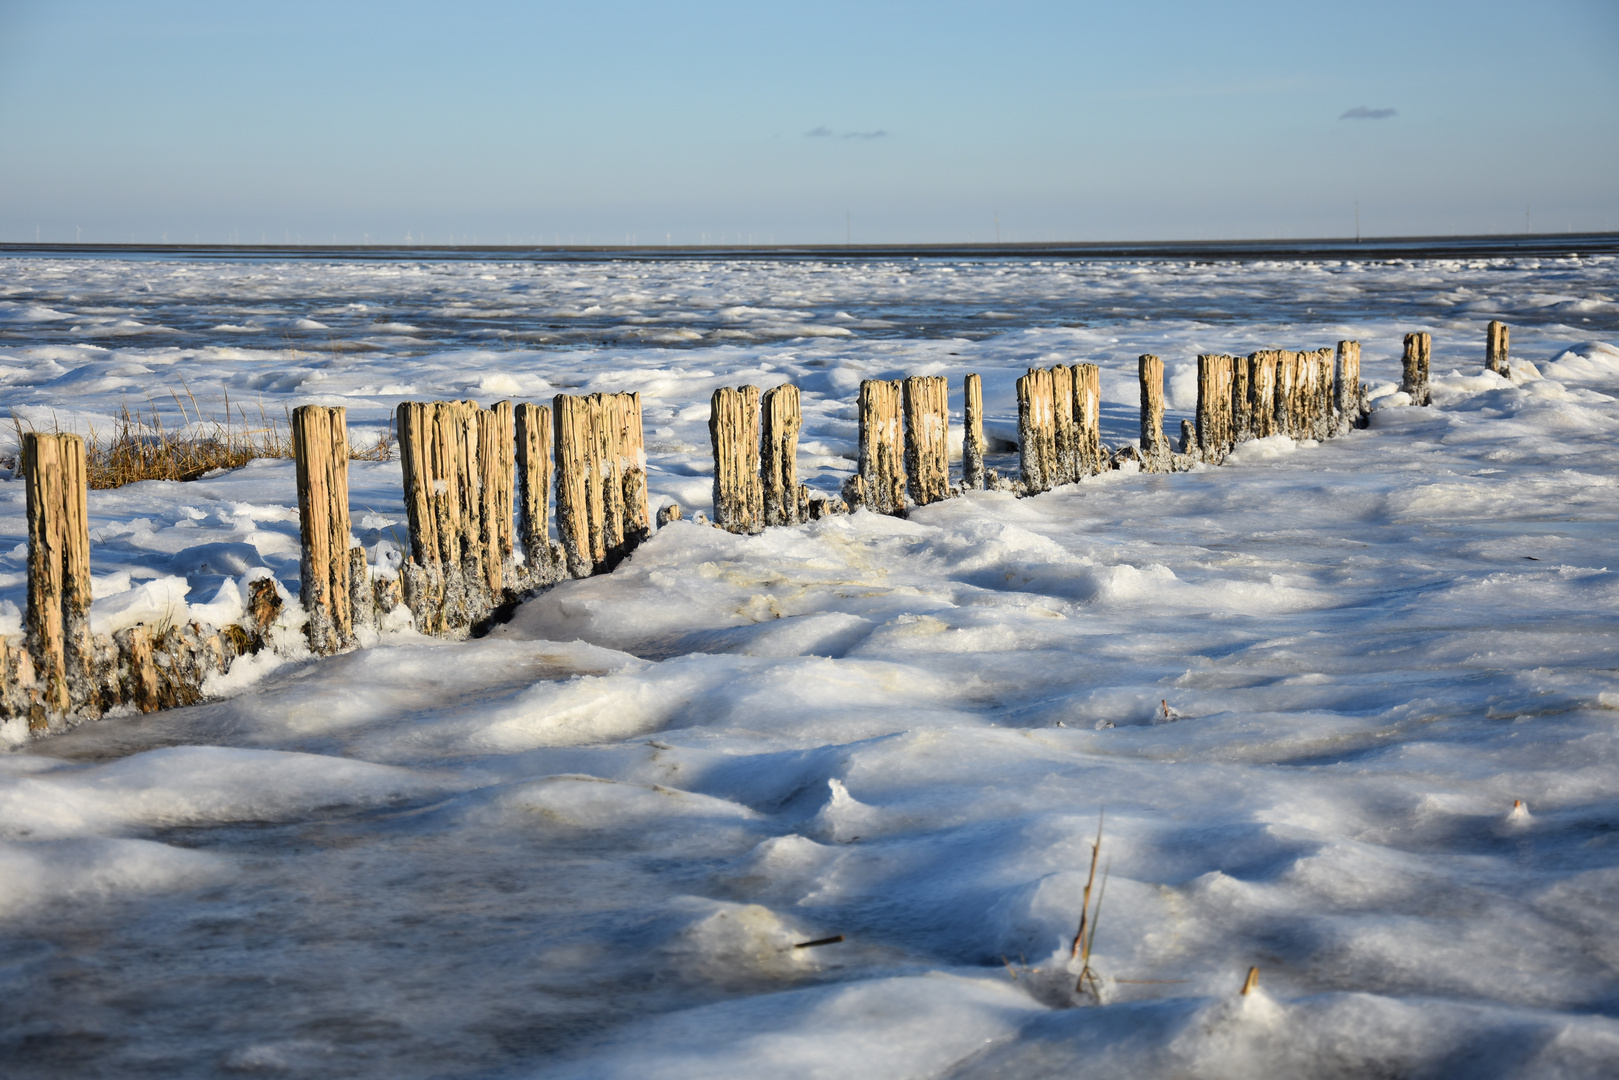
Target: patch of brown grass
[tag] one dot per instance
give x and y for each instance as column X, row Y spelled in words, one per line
column 142, row 447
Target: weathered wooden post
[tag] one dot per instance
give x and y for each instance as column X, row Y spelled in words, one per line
column 973, row 446
column 1414, row 376
column 927, row 438
column 1155, row 453
column 422, row 575
column 1214, row 439
column 1495, row 347
column 1325, row 420
column 733, row 427
column 496, row 469
column 882, row 448
column 1287, row 393
column 320, row 449
column 1262, row 392
column 1036, row 431
column 632, row 471
column 1348, row 395
column 579, row 524
column 60, row 650
column 1066, row 436
column 1242, row 419
column 532, row 437
column 778, row 454
column 1088, row 459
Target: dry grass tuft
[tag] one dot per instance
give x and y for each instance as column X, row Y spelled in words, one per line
column 1089, row 916
column 142, row 447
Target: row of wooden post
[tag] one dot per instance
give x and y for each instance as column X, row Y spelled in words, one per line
column 478, row 491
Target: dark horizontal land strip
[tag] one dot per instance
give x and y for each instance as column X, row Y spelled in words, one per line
column 1545, row 245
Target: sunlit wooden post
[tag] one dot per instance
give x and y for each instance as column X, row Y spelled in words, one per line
column 1037, row 431
column 882, row 451
column 320, row 448
column 532, row 439
column 578, row 514
column 778, row 455
column 56, row 494
column 733, row 428
column 1496, row 336
column 927, row 438
column 1214, row 439
column 1349, row 395
column 1155, row 453
column 973, row 446
column 1088, row 421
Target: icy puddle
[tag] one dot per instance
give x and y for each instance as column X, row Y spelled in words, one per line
column 1307, row 688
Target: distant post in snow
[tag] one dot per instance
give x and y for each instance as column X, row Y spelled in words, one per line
column 1414, row 376
column 320, row 449
column 882, row 453
column 1495, row 347
column 973, row 446
column 59, row 645
column 733, row 428
column 1037, row 431
column 1156, row 455
column 781, row 420
column 927, row 438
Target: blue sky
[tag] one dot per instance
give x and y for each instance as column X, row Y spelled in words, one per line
column 900, row 122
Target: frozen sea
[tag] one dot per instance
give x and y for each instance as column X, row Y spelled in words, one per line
column 1307, row 688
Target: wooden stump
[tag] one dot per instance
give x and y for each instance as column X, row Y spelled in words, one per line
column 532, row 438
column 320, row 448
column 1262, row 392
column 1289, row 371
column 632, row 471
column 1066, row 436
column 1495, row 347
column 973, row 445
column 1348, row 395
column 1089, row 459
column 1156, row 455
column 1414, row 377
column 497, row 469
column 733, row 427
column 59, row 643
column 882, row 449
column 778, row 455
column 927, row 438
column 1323, row 417
column 1037, row 431
column 579, row 527
column 1214, row 437
column 1242, row 418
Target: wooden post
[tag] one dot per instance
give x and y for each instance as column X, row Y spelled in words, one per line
column 1324, row 417
column 1065, row 434
column 320, row 448
column 778, row 455
column 362, row 597
column 632, row 471
column 1495, row 347
column 1242, row 417
column 1262, row 392
column 576, row 510
column 1214, row 439
column 532, row 436
column 1349, row 396
column 1037, row 431
column 1287, row 392
column 1088, row 421
column 882, row 453
column 973, row 476
column 496, row 469
column 927, row 438
column 733, row 427
column 1414, row 380
column 1155, row 452
column 56, row 493
column 422, row 575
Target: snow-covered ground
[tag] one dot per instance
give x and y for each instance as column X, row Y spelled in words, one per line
column 584, row 845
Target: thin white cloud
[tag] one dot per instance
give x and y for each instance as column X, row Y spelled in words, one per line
column 824, row 132
column 1361, row 112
